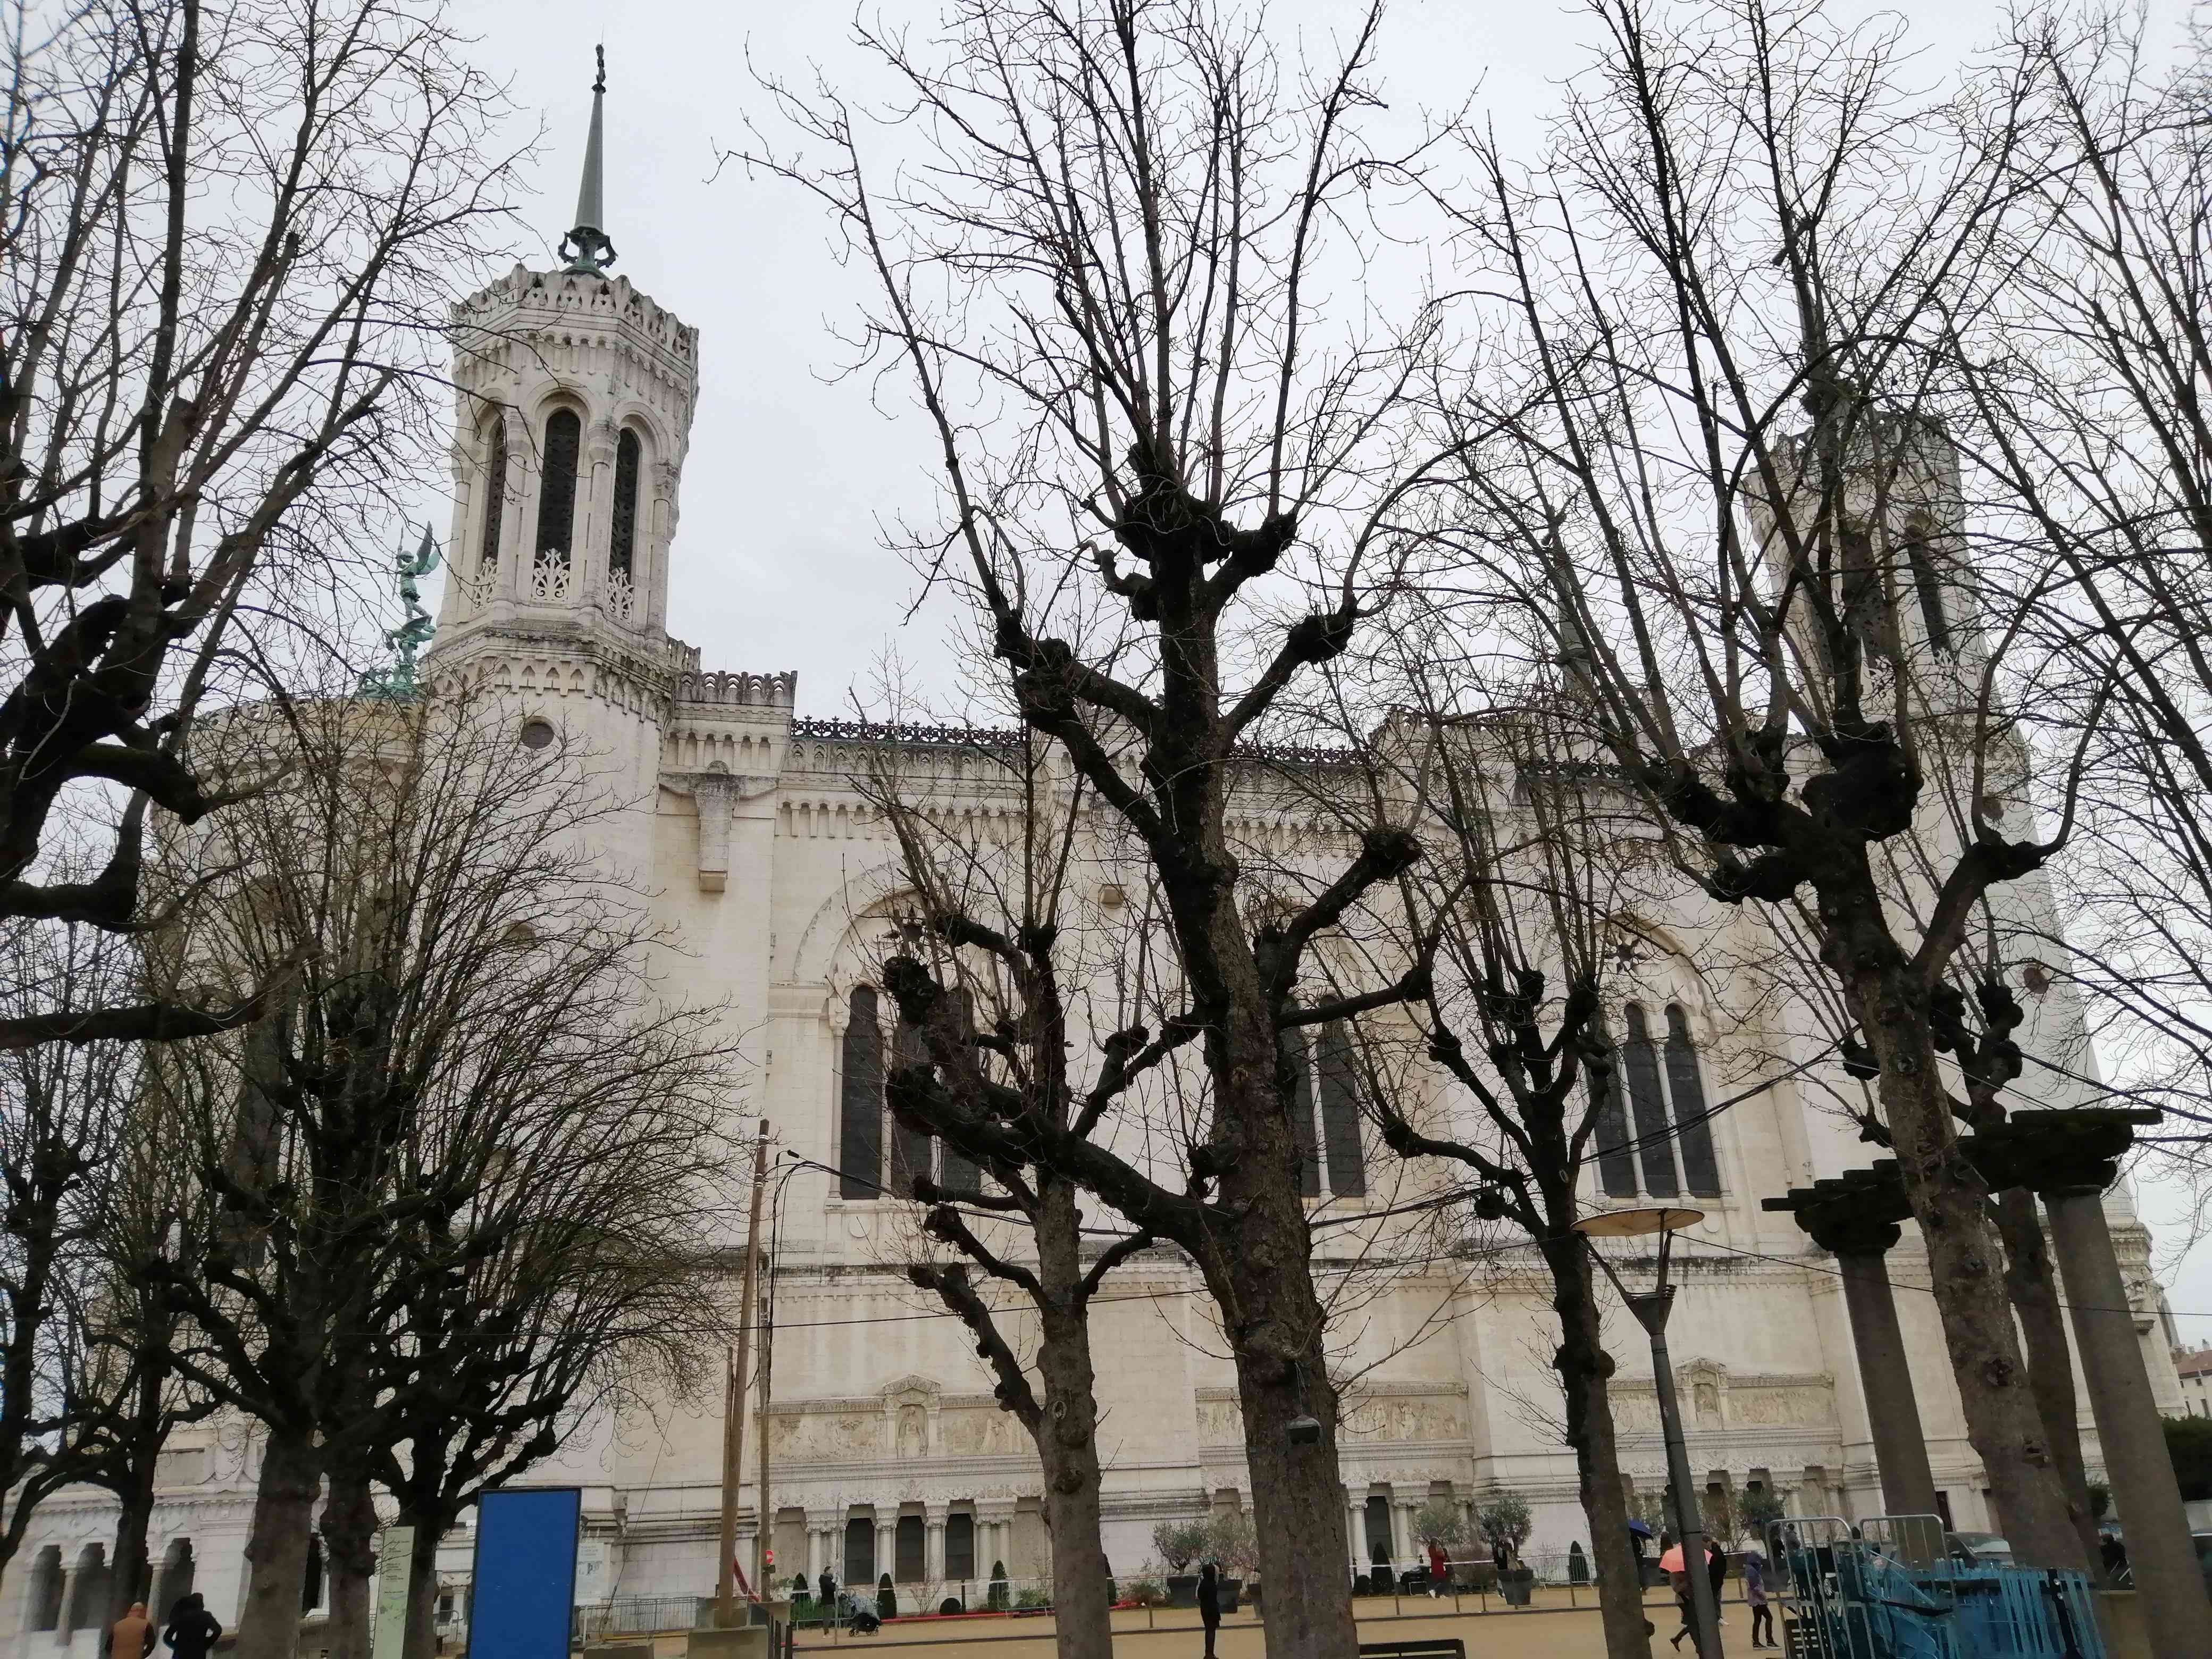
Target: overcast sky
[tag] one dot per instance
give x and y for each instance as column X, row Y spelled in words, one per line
column 778, row 562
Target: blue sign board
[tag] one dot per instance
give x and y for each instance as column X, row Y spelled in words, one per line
column 526, row 1572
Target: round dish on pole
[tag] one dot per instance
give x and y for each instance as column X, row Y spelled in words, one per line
column 1631, row 1223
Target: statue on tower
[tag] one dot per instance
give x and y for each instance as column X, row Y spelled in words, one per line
column 408, row 639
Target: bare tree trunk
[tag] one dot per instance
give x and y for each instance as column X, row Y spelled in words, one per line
column 131, row 1577
column 2034, row 1296
column 422, row 1642
column 1584, row 1367
column 1964, row 1261
column 1263, row 1281
column 1068, row 1434
column 277, row 1548
column 349, row 1551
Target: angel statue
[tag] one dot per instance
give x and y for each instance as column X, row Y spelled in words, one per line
column 409, row 637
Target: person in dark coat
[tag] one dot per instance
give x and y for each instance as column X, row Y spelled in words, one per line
column 1715, row 1575
column 1209, row 1604
column 827, row 1585
column 193, row 1631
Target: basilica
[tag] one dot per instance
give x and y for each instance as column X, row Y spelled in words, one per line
column 769, row 862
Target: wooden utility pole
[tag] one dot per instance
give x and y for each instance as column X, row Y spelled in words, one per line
column 733, row 1403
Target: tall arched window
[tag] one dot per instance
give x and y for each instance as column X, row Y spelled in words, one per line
column 1641, row 1060
column 1668, row 1150
column 494, row 506
column 910, row 1148
column 860, row 1105
column 1339, row 1078
column 1701, row 1170
column 1292, row 1044
column 1616, row 1162
column 629, row 456
column 1929, row 585
column 1324, row 1076
column 556, row 499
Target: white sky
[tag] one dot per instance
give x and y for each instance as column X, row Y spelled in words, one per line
column 779, row 563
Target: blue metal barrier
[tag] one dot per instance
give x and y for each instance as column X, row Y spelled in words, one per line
column 1889, row 1589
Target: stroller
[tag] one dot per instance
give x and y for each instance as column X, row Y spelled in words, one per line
column 858, row 1614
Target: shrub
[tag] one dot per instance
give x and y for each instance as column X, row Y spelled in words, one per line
column 1033, row 1595
column 1441, row 1520
column 995, row 1598
column 886, row 1598
column 1231, row 1541
column 1147, row 1592
column 1759, row 1509
column 1504, row 1520
column 1182, row 1542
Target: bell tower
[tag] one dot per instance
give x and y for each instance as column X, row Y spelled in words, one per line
column 574, row 398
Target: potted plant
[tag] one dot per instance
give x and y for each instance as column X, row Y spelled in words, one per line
column 1235, row 1549
column 1179, row 1544
column 1504, row 1521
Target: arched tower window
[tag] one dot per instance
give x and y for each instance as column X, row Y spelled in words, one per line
column 556, row 499
column 495, row 507
column 629, row 455
column 1929, row 585
column 860, row 1104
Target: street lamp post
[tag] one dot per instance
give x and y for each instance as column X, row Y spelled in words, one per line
column 1651, row 1308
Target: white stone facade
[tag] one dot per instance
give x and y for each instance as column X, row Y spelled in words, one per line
column 769, row 864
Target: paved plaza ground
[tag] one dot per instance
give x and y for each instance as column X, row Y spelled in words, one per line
column 1559, row 1625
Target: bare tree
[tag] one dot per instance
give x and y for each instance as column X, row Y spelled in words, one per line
column 230, row 232
column 1003, row 957
column 1540, row 871
column 155, row 1225
column 2089, row 400
column 64, row 1112
column 1104, row 287
column 1723, row 359
column 469, row 1171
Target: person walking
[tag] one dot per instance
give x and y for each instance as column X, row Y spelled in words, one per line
column 1209, row 1604
column 826, row 1586
column 193, row 1631
column 1755, row 1592
column 1439, row 1569
column 131, row 1637
column 1678, row 1579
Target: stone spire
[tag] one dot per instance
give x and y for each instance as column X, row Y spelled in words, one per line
column 586, row 247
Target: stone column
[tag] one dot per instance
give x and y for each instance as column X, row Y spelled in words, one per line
column 2170, row 1587
column 933, row 1557
column 1900, row 1449
column 886, row 1549
column 1355, row 1530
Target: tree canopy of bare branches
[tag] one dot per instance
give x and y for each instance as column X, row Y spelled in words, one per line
column 1726, row 302
column 1169, row 457
column 229, row 230
column 469, row 1171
